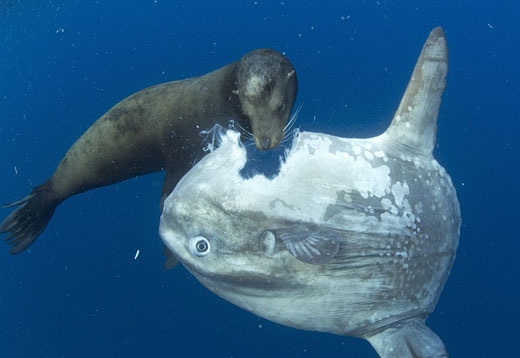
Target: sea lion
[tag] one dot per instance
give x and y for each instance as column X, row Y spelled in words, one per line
column 159, row 128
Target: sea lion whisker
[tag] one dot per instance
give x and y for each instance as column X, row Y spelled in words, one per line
column 288, row 137
column 293, row 118
column 288, row 130
column 244, row 132
column 250, row 142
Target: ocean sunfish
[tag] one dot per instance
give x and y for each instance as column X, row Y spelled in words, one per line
column 353, row 236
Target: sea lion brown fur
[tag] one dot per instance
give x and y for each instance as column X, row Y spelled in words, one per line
column 158, row 128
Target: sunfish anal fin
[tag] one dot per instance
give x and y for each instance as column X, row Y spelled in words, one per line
column 408, row 338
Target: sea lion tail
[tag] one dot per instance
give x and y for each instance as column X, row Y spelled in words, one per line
column 26, row 223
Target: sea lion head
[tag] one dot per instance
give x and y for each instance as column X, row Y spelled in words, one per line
column 267, row 88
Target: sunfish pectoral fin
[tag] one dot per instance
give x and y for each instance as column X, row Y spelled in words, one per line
column 415, row 121
column 410, row 338
column 309, row 246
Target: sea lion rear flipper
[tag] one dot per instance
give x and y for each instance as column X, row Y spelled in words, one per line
column 26, row 223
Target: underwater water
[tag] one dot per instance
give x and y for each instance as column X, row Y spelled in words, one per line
column 80, row 290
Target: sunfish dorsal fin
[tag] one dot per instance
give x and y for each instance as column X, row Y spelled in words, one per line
column 415, row 122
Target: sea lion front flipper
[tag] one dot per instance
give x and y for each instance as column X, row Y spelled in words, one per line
column 170, row 261
column 410, row 338
column 30, row 218
column 170, row 180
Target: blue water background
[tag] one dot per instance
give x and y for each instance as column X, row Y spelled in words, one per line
column 78, row 292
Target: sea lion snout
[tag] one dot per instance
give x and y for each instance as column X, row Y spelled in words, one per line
column 268, row 132
column 265, row 143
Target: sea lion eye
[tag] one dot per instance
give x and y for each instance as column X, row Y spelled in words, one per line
column 200, row 246
column 281, row 107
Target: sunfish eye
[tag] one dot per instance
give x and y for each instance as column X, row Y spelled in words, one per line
column 200, row 246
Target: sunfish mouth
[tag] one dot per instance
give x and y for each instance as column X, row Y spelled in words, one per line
column 244, row 282
column 237, row 278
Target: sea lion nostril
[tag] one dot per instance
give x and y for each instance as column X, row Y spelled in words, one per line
column 265, row 143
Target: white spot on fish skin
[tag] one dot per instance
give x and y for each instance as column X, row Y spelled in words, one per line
column 435, row 164
column 369, row 155
column 409, row 108
column 401, row 256
column 356, row 150
column 379, row 154
column 399, row 191
column 387, row 205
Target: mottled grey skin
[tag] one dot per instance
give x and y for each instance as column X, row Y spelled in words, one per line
column 352, row 237
column 159, row 128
